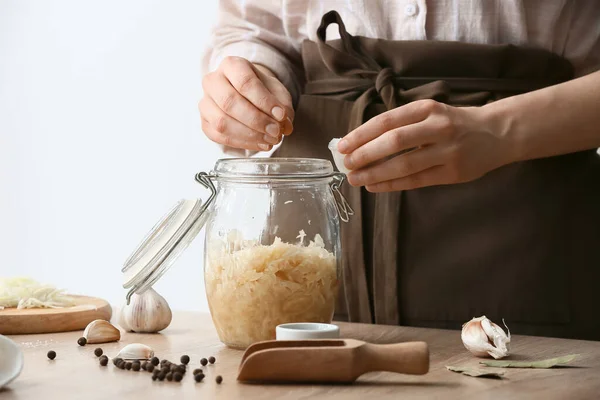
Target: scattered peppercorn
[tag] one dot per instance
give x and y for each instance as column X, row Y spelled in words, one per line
column 135, row 366
column 150, row 368
column 156, row 372
column 144, row 365
column 128, row 365
column 154, row 361
column 154, row 377
column 172, row 367
column 169, row 377
column 197, row 371
column 121, row 364
column 117, row 360
column 82, row 341
column 104, row 361
column 211, row 359
column 162, row 376
column 219, row 379
column 177, row 377
column 199, row 377
column 204, row 361
column 185, row 359
column 181, row 369
column 51, row 354
column 98, row 352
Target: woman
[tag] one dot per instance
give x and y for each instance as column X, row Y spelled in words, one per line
column 471, row 130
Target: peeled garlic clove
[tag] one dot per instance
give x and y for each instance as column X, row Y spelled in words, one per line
column 147, row 312
column 136, row 351
column 484, row 338
column 338, row 158
column 101, row 331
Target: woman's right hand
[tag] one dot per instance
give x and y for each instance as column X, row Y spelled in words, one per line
column 245, row 106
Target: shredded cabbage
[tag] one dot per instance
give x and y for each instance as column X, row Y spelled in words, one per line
column 27, row 293
column 252, row 288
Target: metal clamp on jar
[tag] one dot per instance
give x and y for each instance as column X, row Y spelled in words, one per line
column 272, row 245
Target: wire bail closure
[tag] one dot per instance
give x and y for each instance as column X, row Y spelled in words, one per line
column 342, row 206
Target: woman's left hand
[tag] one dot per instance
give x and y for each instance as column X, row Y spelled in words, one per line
column 449, row 145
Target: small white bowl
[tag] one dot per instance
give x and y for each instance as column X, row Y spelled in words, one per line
column 306, row 330
column 11, row 361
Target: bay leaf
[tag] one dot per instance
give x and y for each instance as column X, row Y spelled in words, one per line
column 475, row 372
column 549, row 363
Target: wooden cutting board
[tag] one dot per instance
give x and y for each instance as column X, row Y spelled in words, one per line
column 49, row 320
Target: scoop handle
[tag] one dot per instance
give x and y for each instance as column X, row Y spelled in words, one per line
column 404, row 358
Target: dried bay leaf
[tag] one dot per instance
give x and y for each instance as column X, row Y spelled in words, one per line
column 475, row 372
column 549, row 363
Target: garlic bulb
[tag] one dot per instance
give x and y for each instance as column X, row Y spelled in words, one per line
column 482, row 337
column 147, row 312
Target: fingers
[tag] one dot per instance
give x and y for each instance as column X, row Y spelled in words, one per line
column 391, row 142
column 243, row 77
column 222, row 128
column 405, row 115
column 232, row 103
column 283, row 95
column 438, row 175
column 401, row 166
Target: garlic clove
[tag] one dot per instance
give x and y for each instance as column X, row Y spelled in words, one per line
column 484, row 338
column 101, row 331
column 136, row 351
column 147, row 312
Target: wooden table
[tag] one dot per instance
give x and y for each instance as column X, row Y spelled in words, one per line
column 76, row 374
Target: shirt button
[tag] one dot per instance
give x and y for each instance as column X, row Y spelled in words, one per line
column 410, row 10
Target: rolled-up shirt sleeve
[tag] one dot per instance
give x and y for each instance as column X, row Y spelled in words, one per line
column 255, row 30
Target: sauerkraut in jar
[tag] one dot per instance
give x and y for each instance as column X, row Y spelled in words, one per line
column 272, row 246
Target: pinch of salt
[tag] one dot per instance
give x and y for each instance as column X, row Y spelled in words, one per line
column 338, row 157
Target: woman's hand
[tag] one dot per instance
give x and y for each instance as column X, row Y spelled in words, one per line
column 245, row 106
column 446, row 145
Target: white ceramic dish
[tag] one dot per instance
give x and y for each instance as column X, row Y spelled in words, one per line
column 11, row 361
column 306, row 330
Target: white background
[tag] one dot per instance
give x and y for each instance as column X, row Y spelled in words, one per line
column 99, row 136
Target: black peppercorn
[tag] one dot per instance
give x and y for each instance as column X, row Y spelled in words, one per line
column 156, row 372
column 162, row 376
column 150, row 368
column 169, row 377
column 82, row 341
column 117, row 360
column 197, row 371
column 104, row 361
column 204, row 361
column 128, row 365
column 185, row 359
column 177, row 377
column 144, row 365
column 181, row 370
column 211, row 360
column 154, row 377
column 219, row 379
column 121, row 364
column 154, row 361
column 51, row 354
column 98, row 352
column 135, row 366
column 172, row 367
column 199, row 377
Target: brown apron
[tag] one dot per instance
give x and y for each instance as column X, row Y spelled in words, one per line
column 521, row 243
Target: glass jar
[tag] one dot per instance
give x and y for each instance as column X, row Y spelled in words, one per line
column 272, row 246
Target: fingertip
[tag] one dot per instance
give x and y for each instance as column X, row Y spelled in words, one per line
column 343, row 146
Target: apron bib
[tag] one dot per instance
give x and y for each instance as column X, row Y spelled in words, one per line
column 521, row 243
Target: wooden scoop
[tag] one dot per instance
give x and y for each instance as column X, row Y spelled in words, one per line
column 330, row 360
